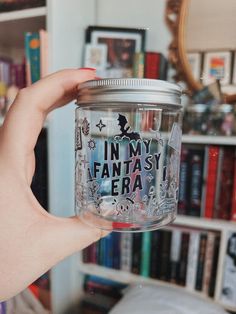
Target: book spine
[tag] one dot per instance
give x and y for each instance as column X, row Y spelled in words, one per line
column 165, row 256
column 136, row 253
column 138, row 66
column 208, row 261
column 108, row 251
column 224, row 200
column 155, row 66
column 155, row 250
column 211, row 290
column 213, row 154
column 175, row 255
column 201, row 261
column 32, row 50
column 116, row 250
column 192, row 260
column 183, row 182
column 183, row 258
column 126, row 252
column 195, row 194
column 145, row 254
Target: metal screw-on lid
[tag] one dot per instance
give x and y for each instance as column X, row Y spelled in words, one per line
column 131, row 90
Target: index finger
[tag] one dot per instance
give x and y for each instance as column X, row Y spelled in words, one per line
column 26, row 116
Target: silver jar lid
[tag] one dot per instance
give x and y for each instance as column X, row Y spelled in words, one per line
column 132, row 90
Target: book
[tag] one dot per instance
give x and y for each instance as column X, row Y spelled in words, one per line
column 156, row 65
column 138, row 66
column 32, row 54
column 211, row 289
column 224, row 185
column 145, row 254
column 116, row 250
column 212, row 164
column 181, row 280
column 155, row 252
column 192, row 259
column 201, row 261
column 208, row 261
column 175, row 254
column 196, row 160
column 164, row 272
column 136, row 252
column 183, row 182
column 126, row 240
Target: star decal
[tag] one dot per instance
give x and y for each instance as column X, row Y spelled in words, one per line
column 100, row 125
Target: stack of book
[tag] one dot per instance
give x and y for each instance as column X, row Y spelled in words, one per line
column 208, row 182
column 183, row 256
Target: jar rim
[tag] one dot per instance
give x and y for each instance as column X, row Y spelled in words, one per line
column 131, row 90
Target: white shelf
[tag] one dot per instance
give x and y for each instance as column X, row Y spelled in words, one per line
column 204, row 223
column 210, row 140
column 23, row 14
column 13, row 26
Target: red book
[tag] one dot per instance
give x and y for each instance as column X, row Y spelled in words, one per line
column 212, row 164
column 233, row 206
column 223, row 195
column 155, row 67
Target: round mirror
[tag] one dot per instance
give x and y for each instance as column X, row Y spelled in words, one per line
column 203, row 49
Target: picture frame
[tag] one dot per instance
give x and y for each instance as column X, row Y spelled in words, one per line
column 122, row 44
column 95, row 56
column 195, row 62
column 217, row 66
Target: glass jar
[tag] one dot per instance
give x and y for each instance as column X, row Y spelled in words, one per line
column 127, row 153
column 222, row 120
column 196, row 119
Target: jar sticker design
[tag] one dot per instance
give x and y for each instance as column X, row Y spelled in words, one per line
column 100, row 125
column 78, row 136
column 85, row 127
column 175, row 137
column 125, row 175
column 126, row 129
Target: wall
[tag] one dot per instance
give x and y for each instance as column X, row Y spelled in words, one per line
column 137, row 13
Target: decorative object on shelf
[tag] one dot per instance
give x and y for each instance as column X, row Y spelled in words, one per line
column 12, row 5
column 195, row 60
column 217, row 66
column 122, row 153
column 209, row 120
column 121, row 45
column 193, row 29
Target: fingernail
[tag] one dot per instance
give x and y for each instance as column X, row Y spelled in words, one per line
column 88, row 69
column 98, row 78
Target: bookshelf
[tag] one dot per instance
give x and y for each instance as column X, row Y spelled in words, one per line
column 65, row 25
column 66, row 40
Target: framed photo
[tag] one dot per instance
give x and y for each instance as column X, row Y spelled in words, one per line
column 95, row 56
column 194, row 59
column 217, row 66
column 121, row 43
